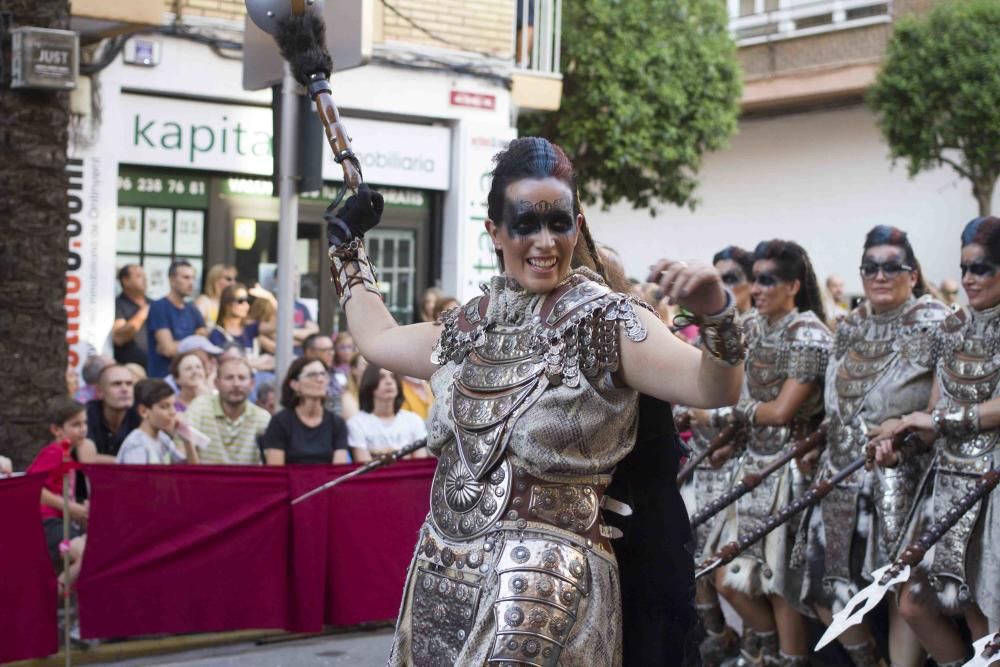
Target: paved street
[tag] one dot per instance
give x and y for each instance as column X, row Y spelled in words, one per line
column 358, row 649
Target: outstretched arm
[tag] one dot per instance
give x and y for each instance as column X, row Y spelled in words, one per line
column 666, row 367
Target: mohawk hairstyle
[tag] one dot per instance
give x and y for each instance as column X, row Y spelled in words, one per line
column 302, row 42
column 894, row 236
column 984, row 231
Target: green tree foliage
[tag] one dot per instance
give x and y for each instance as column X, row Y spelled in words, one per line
column 937, row 97
column 648, row 87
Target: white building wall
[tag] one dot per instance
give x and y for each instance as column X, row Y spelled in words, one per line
column 822, row 179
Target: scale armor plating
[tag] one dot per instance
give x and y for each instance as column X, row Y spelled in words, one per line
column 795, row 347
column 527, row 424
column 963, row 566
column 882, row 367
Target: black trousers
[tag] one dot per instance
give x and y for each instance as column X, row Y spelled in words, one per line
column 656, row 552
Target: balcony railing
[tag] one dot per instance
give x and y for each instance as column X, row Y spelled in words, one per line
column 538, row 36
column 757, row 21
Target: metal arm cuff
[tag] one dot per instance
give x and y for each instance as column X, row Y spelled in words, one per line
column 722, row 335
column 959, row 422
column 352, row 255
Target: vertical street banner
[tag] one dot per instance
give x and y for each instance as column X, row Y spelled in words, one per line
column 478, row 262
column 90, row 269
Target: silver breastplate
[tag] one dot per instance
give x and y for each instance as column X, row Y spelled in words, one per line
column 497, row 381
column 969, row 371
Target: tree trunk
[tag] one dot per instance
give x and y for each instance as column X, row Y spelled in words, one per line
column 983, row 190
column 33, row 246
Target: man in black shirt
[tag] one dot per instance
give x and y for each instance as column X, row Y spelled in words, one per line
column 111, row 416
column 128, row 333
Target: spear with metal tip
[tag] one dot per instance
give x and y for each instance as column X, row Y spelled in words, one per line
column 986, row 651
column 899, row 571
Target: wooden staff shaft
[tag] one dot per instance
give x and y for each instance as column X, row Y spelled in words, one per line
column 724, row 437
column 752, row 480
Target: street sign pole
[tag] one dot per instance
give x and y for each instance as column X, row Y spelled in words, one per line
column 288, row 221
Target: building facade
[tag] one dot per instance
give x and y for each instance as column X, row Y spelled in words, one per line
column 808, row 162
column 174, row 159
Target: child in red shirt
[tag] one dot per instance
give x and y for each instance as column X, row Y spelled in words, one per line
column 67, row 421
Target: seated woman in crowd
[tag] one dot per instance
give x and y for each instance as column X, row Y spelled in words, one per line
column 189, row 373
column 382, row 426
column 217, row 279
column 305, row 431
column 234, row 325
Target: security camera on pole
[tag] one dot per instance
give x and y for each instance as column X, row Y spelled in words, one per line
column 263, row 65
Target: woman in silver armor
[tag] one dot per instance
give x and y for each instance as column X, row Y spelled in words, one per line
column 960, row 574
column 537, row 383
column 712, row 477
column 787, row 350
column 882, row 367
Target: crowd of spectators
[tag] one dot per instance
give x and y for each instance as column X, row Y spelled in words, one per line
column 192, row 382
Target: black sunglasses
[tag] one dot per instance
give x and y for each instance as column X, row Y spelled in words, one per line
column 243, row 300
column 732, row 278
column 766, row 279
column 889, row 269
column 979, row 268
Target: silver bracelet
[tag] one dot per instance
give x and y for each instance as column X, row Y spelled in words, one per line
column 352, row 254
column 722, row 335
column 958, row 422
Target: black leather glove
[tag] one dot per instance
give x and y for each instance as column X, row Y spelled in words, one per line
column 359, row 213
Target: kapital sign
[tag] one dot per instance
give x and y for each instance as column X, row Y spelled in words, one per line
column 237, row 139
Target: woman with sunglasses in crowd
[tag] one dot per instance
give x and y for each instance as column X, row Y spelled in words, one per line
column 234, row 325
column 538, row 383
column 788, row 346
column 712, row 478
column 959, row 575
column 882, row 367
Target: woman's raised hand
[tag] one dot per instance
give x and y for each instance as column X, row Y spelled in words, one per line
column 694, row 286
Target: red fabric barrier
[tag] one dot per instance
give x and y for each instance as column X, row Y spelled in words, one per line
column 374, row 523
column 28, row 593
column 201, row 549
column 174, row 549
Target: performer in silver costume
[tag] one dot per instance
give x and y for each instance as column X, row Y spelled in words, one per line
column 787, row 350
column 712, row 478
column 960, row 574
column 537, row 384
column 882, row 367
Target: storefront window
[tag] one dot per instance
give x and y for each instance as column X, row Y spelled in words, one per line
column 161, row 217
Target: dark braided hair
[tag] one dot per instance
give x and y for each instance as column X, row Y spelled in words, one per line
column 792, row 263
column 538, row 158
column 742, row 258
column 889, row 235
column 984, row 231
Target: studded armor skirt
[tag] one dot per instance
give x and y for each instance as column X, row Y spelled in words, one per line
column 521, row 573
column 963, row 567
column 763, row 569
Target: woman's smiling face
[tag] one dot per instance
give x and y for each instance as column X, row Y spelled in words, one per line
column 538, row 233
